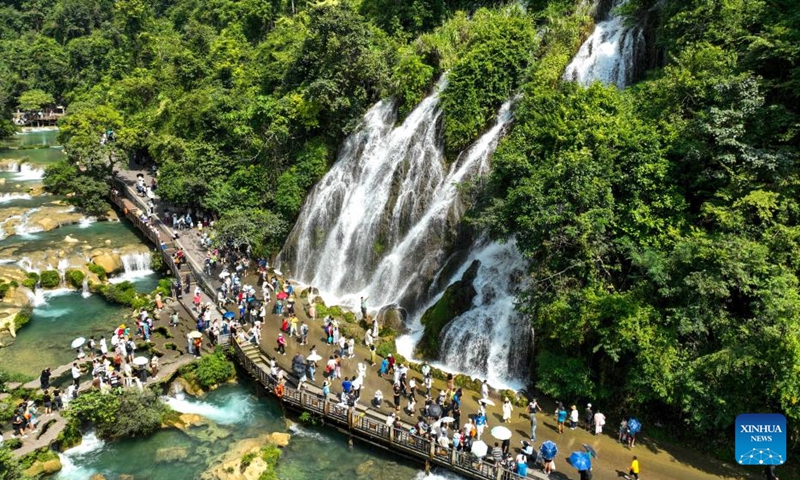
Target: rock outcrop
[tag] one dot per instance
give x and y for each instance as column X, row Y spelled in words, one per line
column 229, row 466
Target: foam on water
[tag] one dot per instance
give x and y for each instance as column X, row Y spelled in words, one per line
column 72, row 458
column 237, row 407
column 137, row 265
column 9, row 197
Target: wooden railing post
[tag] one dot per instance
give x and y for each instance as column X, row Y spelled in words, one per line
column 391, row 434
column 432, row 449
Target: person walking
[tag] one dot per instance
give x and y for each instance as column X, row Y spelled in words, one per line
column 485, row 389
column 507, row 409
column 533, row 408
column 364, row 308
column 634, row 471
column 76, row 375
column 573, row 418
column 480, row 424
column 281, row 344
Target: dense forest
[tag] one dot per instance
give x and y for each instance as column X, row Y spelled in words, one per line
column 660, row 221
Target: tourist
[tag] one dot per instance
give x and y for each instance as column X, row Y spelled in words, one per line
column 623, row 431
column 293, row 331
column 391, row 362
column 522, row 464
column 351, row 348
column 377, row 399
column 342, row 346
column 154, row 366
column 326, row 389
column 599, row 422
column 103, row 346
column 507, row 408
column 303, row 333
column 311, row 368
column 198, row 344
column 384, row 367
column 372, row 355
column 396, row 392
column 561, row 417
column 573, row 418
column 497, row 453
column 299, row 367
column 281, row 344
column 337, row 370
column 412, row 405
column 588, row 416
column 76, row 374
column 480, row 424
column 364, row 308
column 549, row 466
column 444, row 443
column 485, row 389
column 455, row 412
column 47, row 400
column 368, row 338
column 58, row 402
column 44, row 379
column 634, row 470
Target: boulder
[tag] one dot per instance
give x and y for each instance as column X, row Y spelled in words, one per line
column 229, row 465
column 109, row 262
column 49, row 218
column 456, row 300
column 70, row 239
column 279, row 438
column 180, row 384
column 393, row 317
column 45, row 468
column 97, row 476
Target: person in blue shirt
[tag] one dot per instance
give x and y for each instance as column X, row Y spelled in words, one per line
column 347, row 385
column 480, row 423
column 561, row 417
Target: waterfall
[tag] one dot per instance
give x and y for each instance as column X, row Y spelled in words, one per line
column 136, row 265
column 71, row 459
column 23, row 228
column 610, row 54
column 9, row 197
column 26, row 172
column 86, row 222
column 380, row 221
column 63, row 264
column 85, row 293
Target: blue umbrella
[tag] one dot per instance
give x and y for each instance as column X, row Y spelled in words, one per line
column 580, row 460
column 229, row 315
column 634, row 425
column 548, row 450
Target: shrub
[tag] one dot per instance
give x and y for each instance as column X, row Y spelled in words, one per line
column 50, row 279
column 132, row 413
column 97, row 270
column 123, row 293
column 75, row 278
column 164, row 287
column 247, row 459
column 210, row 370
column 22, row 317
column 70, row 436
column 31, row 279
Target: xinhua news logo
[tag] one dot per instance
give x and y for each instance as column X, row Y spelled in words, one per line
column 761, row 439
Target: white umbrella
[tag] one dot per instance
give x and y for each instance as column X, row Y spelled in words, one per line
column 78, row 342
column 195, row 334
column 141, row 361
column 313, row 357
column 486, row 401
column 277, row 272
column 479, row 448
column 501, row 433
column 447, row 419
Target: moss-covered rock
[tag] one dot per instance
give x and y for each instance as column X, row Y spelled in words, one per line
column 456, row 300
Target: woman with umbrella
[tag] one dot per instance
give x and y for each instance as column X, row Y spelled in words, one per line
column 634, row 427
column 582, row 462
column 548, row 452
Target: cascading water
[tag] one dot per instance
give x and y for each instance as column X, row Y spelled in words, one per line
column 490, row 340
column 610, row 54
column 23, row 227
column 63, row 264
column 378, row 224
column 237, row 408
column 85, row 293
column 10, row 197
column 72, row 458
column 136, row 265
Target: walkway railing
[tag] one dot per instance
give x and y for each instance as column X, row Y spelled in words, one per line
column 368, row 424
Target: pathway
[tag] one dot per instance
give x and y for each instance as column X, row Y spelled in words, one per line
column 659, row 461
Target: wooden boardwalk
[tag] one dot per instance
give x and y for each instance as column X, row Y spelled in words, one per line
column 369, row 425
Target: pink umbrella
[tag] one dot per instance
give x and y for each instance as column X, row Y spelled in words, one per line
column 281, row 295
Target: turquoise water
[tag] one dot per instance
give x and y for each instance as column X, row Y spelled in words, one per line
column 236, row 413
column 40, row 156
column 45, row 340
column 94, row 234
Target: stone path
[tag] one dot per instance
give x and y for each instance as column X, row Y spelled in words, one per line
column 658, row 461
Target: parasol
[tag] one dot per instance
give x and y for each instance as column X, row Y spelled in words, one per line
column 195, row 334
column 590, row 450
column 580, row 460
column 281, row 295
column 229, row 315
column 501, row 433
column 447, row 419
column 434, row 410
column 78, row 342
column 634, row 425
column 277, row 272
column 141, row 361
column 486, row 401
column 314, row 358
column 479, row 448
column 548, row 450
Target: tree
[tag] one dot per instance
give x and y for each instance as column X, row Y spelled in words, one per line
column 261, row 230
column 33, row 100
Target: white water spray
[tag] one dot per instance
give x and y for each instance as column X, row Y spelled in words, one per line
column 610, row 54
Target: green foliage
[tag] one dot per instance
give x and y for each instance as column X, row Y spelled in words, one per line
column 157, row 261
column 261, row 230
column 97, row 270
column 132, row 413
column 164, row 287
column 75, row 278
column 270, row 454
column 4, row 287
column 210, row 370
column 34, row 100
column 31, row 279
column 498, row 52
column 50, row 279
column 247, row 459
column 23, row 317
column 9, row 468
column 70, row 436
